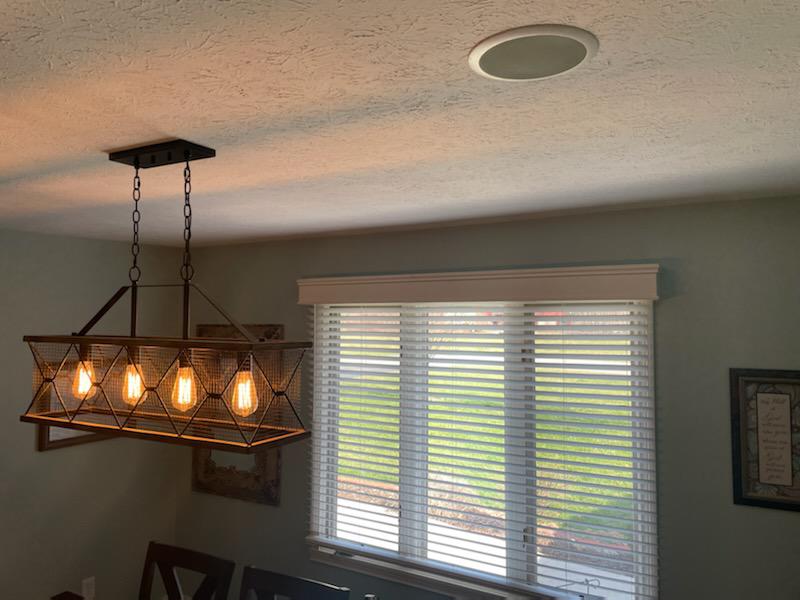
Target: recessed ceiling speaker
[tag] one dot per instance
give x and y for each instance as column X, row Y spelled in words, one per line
column 532, row 53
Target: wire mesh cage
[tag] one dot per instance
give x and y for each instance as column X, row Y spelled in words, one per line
column 223, row 394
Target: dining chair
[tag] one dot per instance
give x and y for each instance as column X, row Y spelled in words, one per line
column 266, row 585
column 215, row 585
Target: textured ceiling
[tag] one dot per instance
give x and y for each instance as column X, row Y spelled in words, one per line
column 342, row 115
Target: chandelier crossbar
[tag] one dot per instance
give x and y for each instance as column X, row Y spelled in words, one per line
column 161, row 154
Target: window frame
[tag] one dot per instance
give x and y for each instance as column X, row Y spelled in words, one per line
column 596, row 284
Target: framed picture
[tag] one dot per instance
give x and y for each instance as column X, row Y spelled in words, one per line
column 53, row 438
column 252, row 477
column 765, row 433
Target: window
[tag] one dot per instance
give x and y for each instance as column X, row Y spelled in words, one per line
column 505, row 442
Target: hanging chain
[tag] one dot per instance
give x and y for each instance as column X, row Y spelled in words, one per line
column 134, row 273
column 187, row 270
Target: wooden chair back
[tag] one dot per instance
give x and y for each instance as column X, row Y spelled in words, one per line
column 266, row 585
column 214, row 586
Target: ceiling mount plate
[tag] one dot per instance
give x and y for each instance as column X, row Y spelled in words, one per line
column 161, row 154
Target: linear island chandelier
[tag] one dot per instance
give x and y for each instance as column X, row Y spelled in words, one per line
column 230, row 394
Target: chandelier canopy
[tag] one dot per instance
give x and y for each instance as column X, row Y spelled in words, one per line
column 231, row 394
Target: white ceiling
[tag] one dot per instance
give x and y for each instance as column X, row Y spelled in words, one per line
column 351, row 114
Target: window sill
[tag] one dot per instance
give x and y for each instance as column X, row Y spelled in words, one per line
column 386, row 566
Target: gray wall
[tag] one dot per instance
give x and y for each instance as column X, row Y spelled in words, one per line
column 89, row 509
column 730, row 296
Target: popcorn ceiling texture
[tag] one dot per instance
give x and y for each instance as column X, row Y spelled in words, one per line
column 340, row 115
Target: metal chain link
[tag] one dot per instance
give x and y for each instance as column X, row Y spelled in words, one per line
column 134, row 273
column 187, row 270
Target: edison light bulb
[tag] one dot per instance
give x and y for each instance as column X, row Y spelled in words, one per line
column 184, row 392
column 132, row 386
column 244, row 402
column 83, row 382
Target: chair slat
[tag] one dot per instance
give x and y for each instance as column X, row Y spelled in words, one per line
column 218, row 572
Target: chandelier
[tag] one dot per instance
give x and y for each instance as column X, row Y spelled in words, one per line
column 230, row 394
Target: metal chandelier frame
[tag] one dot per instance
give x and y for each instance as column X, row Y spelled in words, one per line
column 273, row 366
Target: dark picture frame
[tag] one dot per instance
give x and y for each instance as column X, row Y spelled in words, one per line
column 53, row 438
column 771, row 480
column 261, row 482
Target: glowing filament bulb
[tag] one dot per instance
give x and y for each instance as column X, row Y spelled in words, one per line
column 133, row 386
column 184, row 392
column 244, row 402
column 83, row 382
